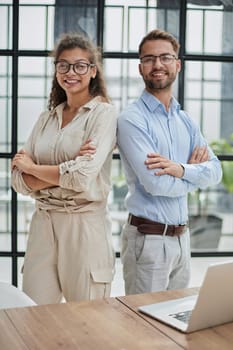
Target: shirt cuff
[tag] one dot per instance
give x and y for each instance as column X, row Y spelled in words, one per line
column 73, row 165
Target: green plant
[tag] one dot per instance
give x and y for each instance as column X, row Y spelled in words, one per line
column 223, row 147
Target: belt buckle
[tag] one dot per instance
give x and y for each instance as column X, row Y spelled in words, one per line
column 181, row 227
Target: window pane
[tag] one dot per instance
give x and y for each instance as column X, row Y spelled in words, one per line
column 5, row 130
column 42, row 29
column 209, row 29
column 129, row 33
column 213, row 32
column 193, row 89
column 212, row 71
column 194, row 30
column 116, row 198
column 136, row 32
column 211, row 90
column 211, row 220
column 124, row 83
column 193, row 70
column 127, row 3
column 35, row 79
column 36, row 66
column 28, row 113
column 5, row 205
column 76, row 16
column 5, row 270
column 208, row 97
column 194, row 109
column 113, row 40
column 37, row 2
column 205, row 222
column 6, row 24
column 5, row 103
column 211, row 119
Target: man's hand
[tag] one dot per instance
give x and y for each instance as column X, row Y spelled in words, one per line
column 168, row 167
column 199, row 155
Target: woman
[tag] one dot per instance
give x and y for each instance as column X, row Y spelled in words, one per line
column 65, row 165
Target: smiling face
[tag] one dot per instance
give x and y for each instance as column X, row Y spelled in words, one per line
column 72, row 82
column 159, row 77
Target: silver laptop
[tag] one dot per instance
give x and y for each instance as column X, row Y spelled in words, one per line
column 211, row 307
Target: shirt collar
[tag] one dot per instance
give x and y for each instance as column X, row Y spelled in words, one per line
column 153, row 103
column 93, row 102
column 89, row 105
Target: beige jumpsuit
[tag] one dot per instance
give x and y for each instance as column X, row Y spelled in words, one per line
column 69, row 252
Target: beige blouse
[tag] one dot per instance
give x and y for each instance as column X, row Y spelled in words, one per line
column 85, row 180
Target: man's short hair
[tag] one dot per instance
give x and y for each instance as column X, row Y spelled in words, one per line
column 158, row 34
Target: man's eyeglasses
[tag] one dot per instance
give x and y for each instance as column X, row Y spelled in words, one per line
column 63, row 67
column 150, row 60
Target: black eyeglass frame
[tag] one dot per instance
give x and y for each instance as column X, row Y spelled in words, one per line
column 88, row 65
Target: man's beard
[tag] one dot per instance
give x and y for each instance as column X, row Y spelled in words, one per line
column 159, row 85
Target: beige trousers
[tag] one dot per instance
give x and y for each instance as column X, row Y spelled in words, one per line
column 153, row 263
column 68, row 255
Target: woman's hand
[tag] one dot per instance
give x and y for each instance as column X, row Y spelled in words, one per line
column 87, row 148
column 23, row 162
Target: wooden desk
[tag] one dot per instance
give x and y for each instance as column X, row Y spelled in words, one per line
column 111, row 324
column 215, row 338
column 96, row 325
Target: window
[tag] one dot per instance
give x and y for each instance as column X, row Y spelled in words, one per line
column 204, row 89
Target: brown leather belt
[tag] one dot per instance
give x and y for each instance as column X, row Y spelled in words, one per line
column 150, row 227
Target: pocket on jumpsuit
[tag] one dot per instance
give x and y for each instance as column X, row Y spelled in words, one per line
column 100, row 285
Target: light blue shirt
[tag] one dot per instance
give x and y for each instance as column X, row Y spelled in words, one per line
column 144, row 127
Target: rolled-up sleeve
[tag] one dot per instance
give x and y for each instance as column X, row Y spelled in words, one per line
column 17, row 180
column 18, row 183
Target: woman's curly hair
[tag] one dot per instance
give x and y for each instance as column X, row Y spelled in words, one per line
column 97, row 87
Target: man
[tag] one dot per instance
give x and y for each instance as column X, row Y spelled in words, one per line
column 164, row 156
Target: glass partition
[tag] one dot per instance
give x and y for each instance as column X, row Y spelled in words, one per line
column 204, row 89
column 5, row 205
column 209, row 28
column 6, row 24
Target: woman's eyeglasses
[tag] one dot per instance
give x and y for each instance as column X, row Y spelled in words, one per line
column 63, row 67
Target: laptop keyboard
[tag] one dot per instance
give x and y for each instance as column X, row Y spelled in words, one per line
column 183, row 316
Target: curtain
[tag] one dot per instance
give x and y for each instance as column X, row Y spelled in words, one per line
column 76, row 16
column 228, row 4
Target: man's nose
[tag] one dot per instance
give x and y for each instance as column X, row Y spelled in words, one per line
column 156, row 61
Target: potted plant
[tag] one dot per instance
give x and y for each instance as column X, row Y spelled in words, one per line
column 225, row 147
